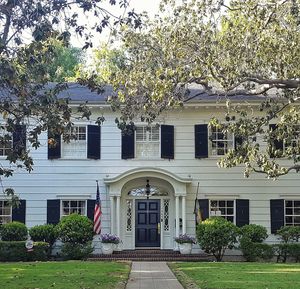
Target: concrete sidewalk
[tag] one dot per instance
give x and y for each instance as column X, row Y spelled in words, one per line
column 152, row 275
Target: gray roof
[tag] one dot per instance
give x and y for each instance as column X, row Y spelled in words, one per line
column 79, row 93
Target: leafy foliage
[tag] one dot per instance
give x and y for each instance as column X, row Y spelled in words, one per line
column 32, row 42
column 71, row 251
column 43, row 233
column 251, row 245
column 16, row 251
column 255, row 233
column 289, row 237
column 14, row 231
column 64, row 65
column 75, row 229
column 215, row 235
column 225, row 49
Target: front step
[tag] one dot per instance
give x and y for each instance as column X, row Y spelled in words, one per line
column 150, row 255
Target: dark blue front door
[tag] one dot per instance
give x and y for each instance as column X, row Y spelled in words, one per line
column 147, row 218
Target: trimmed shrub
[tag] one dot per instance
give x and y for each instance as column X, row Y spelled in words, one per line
column 72, row 251
column 286, row 250
column 255, row 251
column 215, row 235
column 14, row 231
column 255, row 233
column 43, row 233
column 75, row 229
column 294, row 251
column 251, row 244
column 16, row 251
column 288, row 235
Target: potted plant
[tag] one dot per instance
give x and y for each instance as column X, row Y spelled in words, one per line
column 185, row 243
column 109, row 242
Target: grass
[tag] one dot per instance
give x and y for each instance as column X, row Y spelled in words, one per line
column 63, row 275
column 233, row 275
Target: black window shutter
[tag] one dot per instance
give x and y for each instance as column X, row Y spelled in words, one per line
column 19, row 214
column 201, row 141
column 242, row 212
column 238, row 141
column 53, row 211
column 93, row 142
column 277, row 144
column 19, row 139
column 128, row 145
column 54, row 152
column 277, row 214
column 90, row 209
column 167, row 142
column 204, row 208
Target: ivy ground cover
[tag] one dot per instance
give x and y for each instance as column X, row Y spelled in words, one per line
column 63, row 275
column 213, row 275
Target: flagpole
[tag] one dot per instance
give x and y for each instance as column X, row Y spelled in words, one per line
column 196, row 205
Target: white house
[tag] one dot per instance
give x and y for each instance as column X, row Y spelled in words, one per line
column 170, row 162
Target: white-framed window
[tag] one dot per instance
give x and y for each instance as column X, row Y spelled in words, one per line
column 292, row 212
column 5, row 212
column 69, row 207
column 223, row 208
column 220, row 142
column 77, row 147
column 147, row 142
column 7, row 143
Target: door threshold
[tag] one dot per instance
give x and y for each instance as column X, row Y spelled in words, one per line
column 147, row 248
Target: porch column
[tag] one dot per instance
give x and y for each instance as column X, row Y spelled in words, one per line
column 177, row 216
column 112, row 215
column 118, row 216
column 183, row 215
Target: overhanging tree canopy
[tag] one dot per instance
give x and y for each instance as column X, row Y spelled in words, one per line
column 29, row 33
column 227, row 48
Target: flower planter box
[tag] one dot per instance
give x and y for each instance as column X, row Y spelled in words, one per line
column 185, row 248
column 107, row 248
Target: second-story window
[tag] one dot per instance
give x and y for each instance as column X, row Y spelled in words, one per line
column 147, row 142
column 77, row 146
column 6, row 143
column 220, row 142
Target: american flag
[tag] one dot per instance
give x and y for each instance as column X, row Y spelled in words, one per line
column 97, row 213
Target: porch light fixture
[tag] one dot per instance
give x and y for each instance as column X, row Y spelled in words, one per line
column 147, row 190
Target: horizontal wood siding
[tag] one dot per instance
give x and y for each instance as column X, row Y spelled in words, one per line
column 51, row 178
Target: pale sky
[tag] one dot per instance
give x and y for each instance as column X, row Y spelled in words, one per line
column 150, row 6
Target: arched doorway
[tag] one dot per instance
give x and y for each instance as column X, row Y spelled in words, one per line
column 147, row 219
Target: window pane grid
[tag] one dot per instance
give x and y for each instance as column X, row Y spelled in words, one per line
column 76, row 147
column 147, row 142
column 73, row 206
column 5, row 212
column 292, row 212
column 220, row 142
column 223, row 208
column 5, row 142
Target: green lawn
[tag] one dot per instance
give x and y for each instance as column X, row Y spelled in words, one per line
column 238, row 275
column 63, row 275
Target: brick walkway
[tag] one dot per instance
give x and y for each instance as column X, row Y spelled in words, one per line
column 152, row 275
